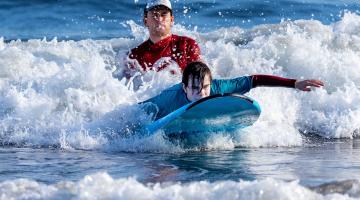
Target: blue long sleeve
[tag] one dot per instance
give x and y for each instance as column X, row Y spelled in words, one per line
column 239, row 85
column 166, row 102
column 174, row 97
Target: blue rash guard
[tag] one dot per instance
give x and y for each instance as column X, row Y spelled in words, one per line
column 174, row 97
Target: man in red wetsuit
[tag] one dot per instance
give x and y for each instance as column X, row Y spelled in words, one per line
column 162, row 48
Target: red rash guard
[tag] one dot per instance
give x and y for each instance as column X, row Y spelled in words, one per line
column 268, row 80
column 181, row 49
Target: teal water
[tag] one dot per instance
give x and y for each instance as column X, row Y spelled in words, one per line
column 315, row 163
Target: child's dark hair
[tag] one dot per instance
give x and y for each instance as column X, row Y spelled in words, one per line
column 197, row 70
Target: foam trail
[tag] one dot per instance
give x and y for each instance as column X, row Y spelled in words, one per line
column 103, row 186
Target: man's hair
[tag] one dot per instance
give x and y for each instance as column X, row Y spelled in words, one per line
column 197, row 70
column 156, row 8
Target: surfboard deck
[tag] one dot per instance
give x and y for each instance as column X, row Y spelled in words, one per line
column 224, row 112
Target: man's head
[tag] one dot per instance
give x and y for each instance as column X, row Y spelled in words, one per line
column 158, row 17
column 196, row 81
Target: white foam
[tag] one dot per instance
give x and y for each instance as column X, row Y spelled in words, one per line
column 63, row 92
column 103, row 186
column 300, row 49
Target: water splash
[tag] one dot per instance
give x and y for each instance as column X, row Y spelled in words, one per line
column 61, row 93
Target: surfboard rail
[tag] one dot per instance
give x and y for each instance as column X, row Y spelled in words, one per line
column 216, row 112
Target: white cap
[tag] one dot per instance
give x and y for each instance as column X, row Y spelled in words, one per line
column 153, row 3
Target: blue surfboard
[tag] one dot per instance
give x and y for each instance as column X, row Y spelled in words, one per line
column 224, row 112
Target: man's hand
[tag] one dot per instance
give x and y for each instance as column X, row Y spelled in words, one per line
column 131, row 67
column 305, row 85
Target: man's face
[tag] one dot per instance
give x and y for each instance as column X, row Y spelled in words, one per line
column 159, row 21
column 194, row 91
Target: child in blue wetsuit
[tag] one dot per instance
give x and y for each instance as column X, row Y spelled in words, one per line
column 197, row 83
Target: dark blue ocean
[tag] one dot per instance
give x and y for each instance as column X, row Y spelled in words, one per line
column 69, row 19
column 64, row 109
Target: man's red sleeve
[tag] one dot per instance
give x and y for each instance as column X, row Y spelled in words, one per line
column 268, row 80
column 194, row 51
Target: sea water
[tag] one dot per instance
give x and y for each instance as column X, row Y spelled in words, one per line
column 69, row 124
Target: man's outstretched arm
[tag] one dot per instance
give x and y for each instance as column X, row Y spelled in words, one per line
column 276, row 81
